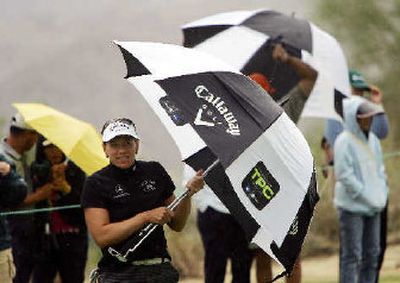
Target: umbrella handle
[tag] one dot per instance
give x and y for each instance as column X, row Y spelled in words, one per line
column 179, row 199
column 149, row 228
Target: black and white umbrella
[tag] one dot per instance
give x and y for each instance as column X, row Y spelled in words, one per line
column 265, row 174
column 244, row 39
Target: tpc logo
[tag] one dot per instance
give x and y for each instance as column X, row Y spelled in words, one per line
column 260, row 186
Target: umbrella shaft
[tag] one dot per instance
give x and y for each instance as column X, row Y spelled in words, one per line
column 146, row 231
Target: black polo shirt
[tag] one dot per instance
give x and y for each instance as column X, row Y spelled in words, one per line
column 125, row 193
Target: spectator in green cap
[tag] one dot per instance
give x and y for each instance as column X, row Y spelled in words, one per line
column 357, row 81
column 380, row 124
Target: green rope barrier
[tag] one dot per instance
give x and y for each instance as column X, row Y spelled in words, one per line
column 30, row 211
column 391, row 154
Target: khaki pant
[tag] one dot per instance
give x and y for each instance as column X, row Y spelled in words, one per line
column 7, row 268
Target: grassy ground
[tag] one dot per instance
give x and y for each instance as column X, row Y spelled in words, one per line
column 325, row 269
column 322, row 269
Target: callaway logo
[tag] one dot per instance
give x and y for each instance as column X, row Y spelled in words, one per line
column 148, row 186
column 200, row 122
column 119, row 192
column 215, row 112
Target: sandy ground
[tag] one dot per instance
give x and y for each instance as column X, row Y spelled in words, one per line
column 321, row 269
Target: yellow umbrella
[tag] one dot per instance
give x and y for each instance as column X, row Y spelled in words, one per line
column 79, row 140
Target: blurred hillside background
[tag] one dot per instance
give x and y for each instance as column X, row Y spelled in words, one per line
column 61, row 53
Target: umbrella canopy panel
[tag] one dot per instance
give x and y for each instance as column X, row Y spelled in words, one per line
column 204, row 99
column 246, row 38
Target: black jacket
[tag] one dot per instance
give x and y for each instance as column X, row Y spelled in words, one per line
column 13, row 190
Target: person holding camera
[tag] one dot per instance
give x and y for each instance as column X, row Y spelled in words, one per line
column 62, row 235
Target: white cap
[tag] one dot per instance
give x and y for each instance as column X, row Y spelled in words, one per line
column 369, row 109
column 119, row 128
column 19, row 122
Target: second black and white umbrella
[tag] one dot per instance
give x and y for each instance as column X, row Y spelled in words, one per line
column 244, row 39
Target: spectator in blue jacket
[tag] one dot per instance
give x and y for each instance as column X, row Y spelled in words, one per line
column 380, row 127
column 360, row 192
